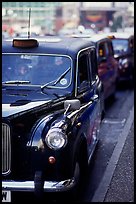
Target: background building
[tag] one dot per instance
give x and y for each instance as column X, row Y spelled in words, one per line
column 51, row 17
column 115, row 15
column 43, row 15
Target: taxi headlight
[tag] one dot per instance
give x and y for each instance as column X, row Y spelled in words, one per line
column 56, row 139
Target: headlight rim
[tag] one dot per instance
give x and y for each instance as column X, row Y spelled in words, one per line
column 48, row 137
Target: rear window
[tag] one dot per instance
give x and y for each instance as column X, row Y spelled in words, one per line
column 120, row 45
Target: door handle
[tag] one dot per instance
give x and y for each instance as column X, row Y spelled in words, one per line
column 95, row 97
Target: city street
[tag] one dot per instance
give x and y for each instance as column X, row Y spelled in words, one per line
column 67, row 102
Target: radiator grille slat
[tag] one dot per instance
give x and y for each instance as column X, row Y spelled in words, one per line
column 6, row 149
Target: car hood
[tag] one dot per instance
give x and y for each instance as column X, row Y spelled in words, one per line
column 8, row 109
column 20, row 100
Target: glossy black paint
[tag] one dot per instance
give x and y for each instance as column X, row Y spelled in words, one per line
column 32, row 110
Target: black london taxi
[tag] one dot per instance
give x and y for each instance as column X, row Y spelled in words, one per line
column 107, row 64
column 52, row 104
column 123, row 45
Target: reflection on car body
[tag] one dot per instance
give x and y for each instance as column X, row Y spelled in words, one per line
column 123, row 44
column 51, row 120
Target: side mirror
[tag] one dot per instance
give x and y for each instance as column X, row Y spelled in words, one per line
column 73, row 104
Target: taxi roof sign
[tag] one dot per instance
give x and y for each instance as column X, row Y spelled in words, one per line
column 111, row 36
column 25, row 43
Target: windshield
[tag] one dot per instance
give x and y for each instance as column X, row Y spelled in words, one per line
column 53, row 70
column 120, row 45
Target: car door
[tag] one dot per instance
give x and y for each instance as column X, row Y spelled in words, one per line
column 90, row 106
column 106, row 67
column 113, row 67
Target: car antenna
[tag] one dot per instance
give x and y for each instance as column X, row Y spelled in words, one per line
column 29, row 23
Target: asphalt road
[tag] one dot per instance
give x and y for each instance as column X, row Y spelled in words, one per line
column 117, row 184
column 115, row 129
column 121, row 188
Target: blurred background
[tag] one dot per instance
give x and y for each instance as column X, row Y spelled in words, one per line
column 51, row 18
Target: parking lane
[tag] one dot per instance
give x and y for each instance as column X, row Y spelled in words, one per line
column 106, row 180
column 111, row 130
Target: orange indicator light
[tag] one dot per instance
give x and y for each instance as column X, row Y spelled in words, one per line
column 25, row 43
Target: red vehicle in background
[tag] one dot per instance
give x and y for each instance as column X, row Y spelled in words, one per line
column 107, row 64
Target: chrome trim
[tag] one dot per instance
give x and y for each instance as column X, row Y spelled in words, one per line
column 6, row 149
column 86, row 48
column 49, row 186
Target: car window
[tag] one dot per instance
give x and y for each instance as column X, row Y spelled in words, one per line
column 120, row 45
column 103, row 49
column 38, row 69
column 83, row 71
column 93, row 60
column 110, row 48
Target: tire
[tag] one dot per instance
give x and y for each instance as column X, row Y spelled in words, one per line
column 72, row 194
column 39, row 182
column 81, row 170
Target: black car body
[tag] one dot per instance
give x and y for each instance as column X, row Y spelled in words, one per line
column 51, row 118
column 123, row 45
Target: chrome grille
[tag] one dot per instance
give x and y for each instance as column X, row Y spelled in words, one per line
column 6, row 149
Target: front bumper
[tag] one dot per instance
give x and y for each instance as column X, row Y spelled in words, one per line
column 29, row 186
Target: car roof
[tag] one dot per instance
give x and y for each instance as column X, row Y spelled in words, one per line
column 93, row 38
column 99, row 37
column 121, row 35
column 50, row 45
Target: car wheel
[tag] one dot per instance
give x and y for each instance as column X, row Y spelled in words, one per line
column 39, row 182
column 83, row 162
column 72, row 194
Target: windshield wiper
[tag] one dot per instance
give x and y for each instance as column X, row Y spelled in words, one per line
column 16, row 82
column 56, row 80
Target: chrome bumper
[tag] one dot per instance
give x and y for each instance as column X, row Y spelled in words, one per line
column 49, row 186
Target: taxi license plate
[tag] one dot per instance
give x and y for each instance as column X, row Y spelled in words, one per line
column 6, row 196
